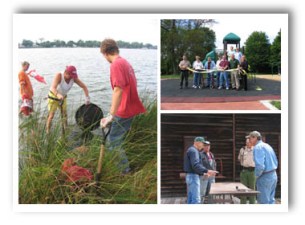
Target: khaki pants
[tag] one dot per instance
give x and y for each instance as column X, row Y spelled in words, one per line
column 235, row 79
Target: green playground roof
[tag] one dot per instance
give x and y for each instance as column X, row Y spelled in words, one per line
column 231, row 37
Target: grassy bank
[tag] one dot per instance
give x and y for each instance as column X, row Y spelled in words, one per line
column 41, row 157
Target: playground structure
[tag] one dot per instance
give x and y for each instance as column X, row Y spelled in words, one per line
column 231, row 38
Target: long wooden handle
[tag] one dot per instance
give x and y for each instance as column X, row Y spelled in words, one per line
column 100, row 159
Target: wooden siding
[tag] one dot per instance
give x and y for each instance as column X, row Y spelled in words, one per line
column 226, row 132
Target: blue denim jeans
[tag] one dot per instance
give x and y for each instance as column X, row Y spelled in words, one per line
column 196, row 79
column 266, row 185
column 224, row 77
column 210, row 79
column 205, row 186
column 218, row 78
column 193, row 188
column 119, row 128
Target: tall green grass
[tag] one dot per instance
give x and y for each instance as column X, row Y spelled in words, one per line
column 41, row 157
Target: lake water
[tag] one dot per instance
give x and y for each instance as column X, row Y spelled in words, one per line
column 93, row 70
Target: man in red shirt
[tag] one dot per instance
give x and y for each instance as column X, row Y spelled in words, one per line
column 125, row 100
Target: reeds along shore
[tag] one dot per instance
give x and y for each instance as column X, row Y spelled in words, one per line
column 41, row 156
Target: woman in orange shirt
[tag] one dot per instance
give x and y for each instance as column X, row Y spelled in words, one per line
column 26, row 90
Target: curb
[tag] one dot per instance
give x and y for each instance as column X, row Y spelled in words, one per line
column 268, row 104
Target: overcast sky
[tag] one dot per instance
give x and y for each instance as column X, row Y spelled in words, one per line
column 130, row 28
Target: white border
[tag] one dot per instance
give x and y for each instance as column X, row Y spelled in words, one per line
column 283, row 207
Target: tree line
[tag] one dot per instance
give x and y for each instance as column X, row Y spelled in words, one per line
column 80, row 44
column 262, row 56
column 193, row 37
column 184, row 37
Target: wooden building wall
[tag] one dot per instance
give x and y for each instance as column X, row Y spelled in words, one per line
column 226, row 132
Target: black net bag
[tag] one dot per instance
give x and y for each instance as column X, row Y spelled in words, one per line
column 88, row 117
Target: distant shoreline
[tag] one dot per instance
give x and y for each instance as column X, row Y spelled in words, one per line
column 155, row 48
column 80, row 44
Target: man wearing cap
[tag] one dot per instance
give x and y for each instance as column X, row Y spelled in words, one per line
column 61, row 85
column 194, row 169
column 208, row 161
column 265, row 168
column 125, row 104
column 247, row 175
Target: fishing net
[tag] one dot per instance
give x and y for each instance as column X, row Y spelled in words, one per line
column 88, row 117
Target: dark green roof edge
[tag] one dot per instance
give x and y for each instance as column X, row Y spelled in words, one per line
column 231, row 37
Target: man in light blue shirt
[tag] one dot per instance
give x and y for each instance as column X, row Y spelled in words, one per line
column 266, row 164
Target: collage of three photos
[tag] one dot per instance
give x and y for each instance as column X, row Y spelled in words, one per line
column 165, row 110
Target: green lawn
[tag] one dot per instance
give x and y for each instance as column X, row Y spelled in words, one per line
column 276, row 104
column 173, row 76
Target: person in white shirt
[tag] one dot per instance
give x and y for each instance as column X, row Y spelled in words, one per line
column 230, row 52
column 238, row 54
column 197, row 65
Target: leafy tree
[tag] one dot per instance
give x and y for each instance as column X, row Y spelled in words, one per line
column 27, row 43
column 80, row 43
column 47, row 44
column 70, row 44
column 184, row 37
column 257, row 50
column 275, row 52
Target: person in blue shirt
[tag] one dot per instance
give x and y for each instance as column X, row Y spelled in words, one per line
column 194, row 171
column 210, row 65
column 266, row 164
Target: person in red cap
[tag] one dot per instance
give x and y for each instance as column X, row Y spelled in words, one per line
column 26, row 90
column 125, row 104
column 60, row 87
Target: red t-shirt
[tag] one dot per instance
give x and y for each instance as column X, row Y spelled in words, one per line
column 122, row 75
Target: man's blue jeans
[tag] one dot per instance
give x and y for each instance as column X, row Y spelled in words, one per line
column 205, row 186
column 196, row 79
column 210, row 79
column 119, row 128
column 193, row 188
column 224, row 77
column 218, row 78
column 266, row 185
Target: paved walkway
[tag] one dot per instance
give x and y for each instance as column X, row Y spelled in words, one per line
column 263, row 87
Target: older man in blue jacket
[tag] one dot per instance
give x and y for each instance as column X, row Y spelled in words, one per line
column 194, row 170
column 266, row 164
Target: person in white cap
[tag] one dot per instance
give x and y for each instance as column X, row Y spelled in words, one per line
column 57, row 97
column 266, row 164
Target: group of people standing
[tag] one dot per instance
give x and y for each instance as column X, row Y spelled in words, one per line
column 232, row 62
column 258, row 170
column 125, row 100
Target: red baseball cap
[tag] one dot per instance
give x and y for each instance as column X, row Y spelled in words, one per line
column 72, row 71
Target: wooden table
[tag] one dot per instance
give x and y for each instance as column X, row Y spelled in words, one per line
column 223, row 192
